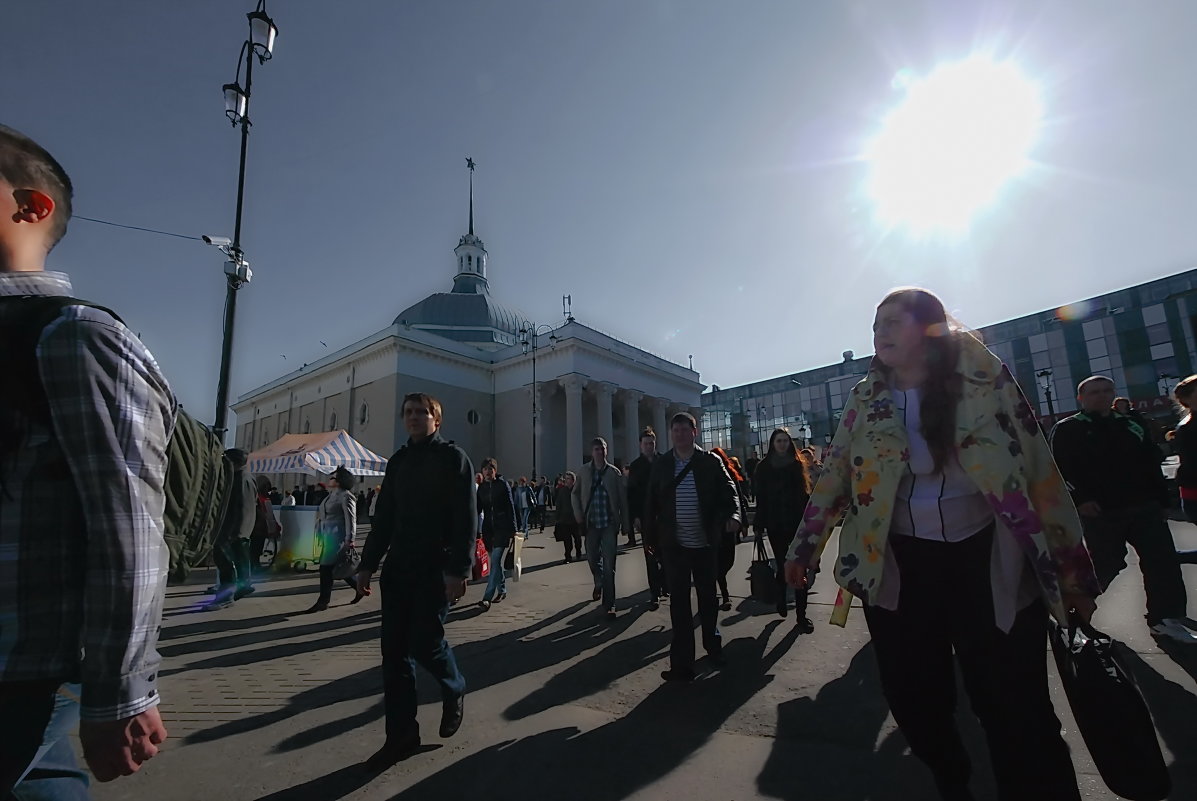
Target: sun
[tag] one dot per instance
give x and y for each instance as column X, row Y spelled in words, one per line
column 957, row 138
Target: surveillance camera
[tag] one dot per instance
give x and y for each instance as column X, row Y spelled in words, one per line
column 218, row 241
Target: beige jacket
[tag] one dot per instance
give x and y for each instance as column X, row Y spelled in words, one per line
column 617, row 491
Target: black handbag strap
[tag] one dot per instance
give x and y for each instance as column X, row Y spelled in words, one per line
column 758, row 545
column 680, row 477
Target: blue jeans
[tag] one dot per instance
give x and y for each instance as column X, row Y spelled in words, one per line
column 600, row 553
column 497, row 583
column 414, row 609
column 522, row 521
column 53, row 773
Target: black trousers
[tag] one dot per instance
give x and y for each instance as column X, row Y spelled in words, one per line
column 572, row 536
column 231, row 555
column 683, row 565
column 1146, row 530
column 725, row 559
column 780, row 544
column 414, row 609
column 326, row 584
column 656, row 574
column 946, row 605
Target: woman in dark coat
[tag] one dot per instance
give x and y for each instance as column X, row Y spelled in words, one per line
column 336, row 524
column 727, row 545
column 497, row 509
column 782, row 488
column 566, row 528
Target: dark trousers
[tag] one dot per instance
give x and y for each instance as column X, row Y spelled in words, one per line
column 414, row 609
column 326, row 583
column 683, row 565
column 257, row 544
column 37, row 724
column 780, row 544
column 572, row 536
column 725, row 558
column 231, row 555
column 1146, row 529
column 946, row 605
column 656, row 574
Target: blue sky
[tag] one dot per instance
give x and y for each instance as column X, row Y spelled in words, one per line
column 689, row 172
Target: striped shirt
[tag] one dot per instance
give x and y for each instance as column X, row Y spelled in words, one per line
column 689, row 519
column 82, row 560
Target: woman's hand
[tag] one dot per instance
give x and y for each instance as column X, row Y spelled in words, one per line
column 795, row 574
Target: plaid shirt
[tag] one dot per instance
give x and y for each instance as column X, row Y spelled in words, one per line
column 598, row 514
column 82, row 559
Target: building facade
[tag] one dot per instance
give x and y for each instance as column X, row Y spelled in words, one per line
column 531, row 396
column 1141, row 337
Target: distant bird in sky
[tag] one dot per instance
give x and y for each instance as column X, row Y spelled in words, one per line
column 322, row 342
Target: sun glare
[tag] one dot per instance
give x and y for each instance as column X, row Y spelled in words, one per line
column 958, row 136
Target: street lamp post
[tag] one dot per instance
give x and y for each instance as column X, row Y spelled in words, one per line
column 260, row 44
column 528, row 336
column 1046, row 387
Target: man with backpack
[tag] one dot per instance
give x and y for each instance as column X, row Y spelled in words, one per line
column 85, row 422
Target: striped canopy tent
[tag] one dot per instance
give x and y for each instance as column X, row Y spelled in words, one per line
column 317, row 455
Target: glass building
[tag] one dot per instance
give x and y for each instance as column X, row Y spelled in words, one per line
column 1141, row 337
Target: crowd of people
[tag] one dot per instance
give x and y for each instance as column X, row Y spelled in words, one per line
column 961, row 529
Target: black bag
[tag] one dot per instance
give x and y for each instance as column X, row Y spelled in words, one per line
column 762, row 573
column 1109, row 710
column 509, row 557
column 347, row 563
column 199, row 477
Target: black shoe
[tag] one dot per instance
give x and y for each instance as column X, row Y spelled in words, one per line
column 803, row 625
column 597, row 594
column 502, row 597
column 452, row 713
column 677, row 675
column 567, row 559
column 319, row 606
column 725, row 606
column 223, row 603
column 242, row 592
column 484, row 604
column 391, row 753
column 664, row 596
column 654, row 605
column 782, row 609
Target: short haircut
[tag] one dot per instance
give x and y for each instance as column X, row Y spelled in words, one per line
column 647, row 431
column 570, row 475
column 598, row 441
column 489, row 461
column 684, row 417
column 1093, row 379
column 27, row 165
column 426, row 401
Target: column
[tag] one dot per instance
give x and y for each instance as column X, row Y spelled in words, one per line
column 573, row 386
column 631, row 416
column 661, row 424
column 602, row 395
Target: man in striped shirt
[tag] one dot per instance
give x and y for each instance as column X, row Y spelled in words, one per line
column 691, row 502
column 85, row 419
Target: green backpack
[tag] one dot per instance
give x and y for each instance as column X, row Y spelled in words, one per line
column 199, row 477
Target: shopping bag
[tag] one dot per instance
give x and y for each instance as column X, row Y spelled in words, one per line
column 1110, row 712
column 481, row 567
column 517, row 562
column 762, row 573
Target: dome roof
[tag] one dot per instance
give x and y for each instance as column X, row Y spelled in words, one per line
column 475, row 316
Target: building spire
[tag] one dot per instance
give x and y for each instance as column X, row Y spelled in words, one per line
column 470, row 164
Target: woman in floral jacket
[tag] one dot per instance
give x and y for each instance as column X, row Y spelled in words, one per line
column 959, row 535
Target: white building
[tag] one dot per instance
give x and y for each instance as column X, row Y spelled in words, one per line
column 471, row 352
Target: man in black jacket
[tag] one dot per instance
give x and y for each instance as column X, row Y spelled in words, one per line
column 1112, row 467
column 427, row 520
column 638, row 474
column 691, row 502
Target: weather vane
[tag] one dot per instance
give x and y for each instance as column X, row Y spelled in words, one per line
column 470, row 163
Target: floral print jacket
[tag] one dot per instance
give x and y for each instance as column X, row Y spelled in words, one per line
column 999, row 445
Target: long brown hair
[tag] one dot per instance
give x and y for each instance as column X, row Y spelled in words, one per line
column 794, row 452
column 729, row 464
column 942, row 389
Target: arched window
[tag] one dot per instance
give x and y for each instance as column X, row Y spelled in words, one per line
column 461, row 262
column 470, row 261
column 363, row 415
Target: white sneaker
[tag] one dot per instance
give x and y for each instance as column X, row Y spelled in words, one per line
column 1173, row 629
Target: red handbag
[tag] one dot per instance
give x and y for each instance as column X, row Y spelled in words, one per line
column 481, row 560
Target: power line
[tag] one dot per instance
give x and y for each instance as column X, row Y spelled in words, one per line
column 135, row 228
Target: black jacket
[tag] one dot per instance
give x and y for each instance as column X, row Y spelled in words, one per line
column 1185, row 444
column 717, row 499
column 781, row 497
column 498, row 513
column 637, row 483
column 1111, row 460
column 426, row 517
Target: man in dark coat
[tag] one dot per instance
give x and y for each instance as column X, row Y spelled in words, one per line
column 691, row 502
column 638, row 473
column 427, row 520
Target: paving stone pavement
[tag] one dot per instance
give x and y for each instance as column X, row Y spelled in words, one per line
column 265, row 703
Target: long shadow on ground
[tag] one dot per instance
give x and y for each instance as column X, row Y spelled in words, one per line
column 657, row 736
column 1174, row 710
